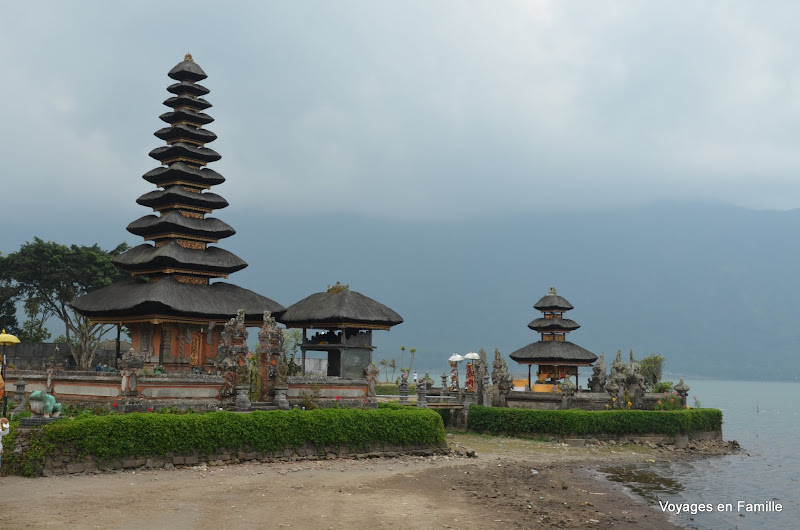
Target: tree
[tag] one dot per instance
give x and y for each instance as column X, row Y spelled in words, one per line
column 393, row 366
column 48, row 276
column 8, row 297
column 33, row 329
column 652, row 367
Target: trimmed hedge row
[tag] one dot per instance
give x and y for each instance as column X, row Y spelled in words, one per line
column 119, row 436
column 584, row 422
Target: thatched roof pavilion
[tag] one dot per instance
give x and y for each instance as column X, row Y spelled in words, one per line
column 556, row 357
column 346, row 319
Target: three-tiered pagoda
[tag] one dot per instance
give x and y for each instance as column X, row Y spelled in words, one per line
column 557, row 358
column 173, row 309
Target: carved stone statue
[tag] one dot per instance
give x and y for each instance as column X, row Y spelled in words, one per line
column 481, row 369
column 501, row 379
column 616, row 379
column 597, row 382
column 282, row 379
column 635, row 382
column 371, row 374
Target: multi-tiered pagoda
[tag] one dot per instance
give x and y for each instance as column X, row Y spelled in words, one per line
column 556, row 357
column 173, row 309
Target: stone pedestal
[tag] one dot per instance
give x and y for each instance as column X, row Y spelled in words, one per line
column 372, row 402
column 403, row 390
column 242, row 402
column 280, row 398
column 422, row 393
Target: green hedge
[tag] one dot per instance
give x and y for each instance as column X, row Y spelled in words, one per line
column 585, row 422
column 118, row 436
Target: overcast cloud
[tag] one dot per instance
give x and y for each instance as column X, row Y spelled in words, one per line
column 425, row 110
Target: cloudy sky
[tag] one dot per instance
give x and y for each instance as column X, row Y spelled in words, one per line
column 408, row 110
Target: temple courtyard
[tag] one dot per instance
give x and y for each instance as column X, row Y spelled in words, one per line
column 512, row 483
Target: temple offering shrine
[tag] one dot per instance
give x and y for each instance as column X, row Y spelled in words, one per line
column 555, row 356
column 173, row 309
column 344, row 321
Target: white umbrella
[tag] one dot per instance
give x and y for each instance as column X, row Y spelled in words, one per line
column 472, row 355
column 455, row 358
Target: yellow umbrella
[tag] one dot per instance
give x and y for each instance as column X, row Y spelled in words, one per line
column 6, row 340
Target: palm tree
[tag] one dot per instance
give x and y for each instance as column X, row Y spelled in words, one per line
column 384, row 363
column 393, row 366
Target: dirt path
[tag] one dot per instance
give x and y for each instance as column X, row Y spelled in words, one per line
column 511, row 484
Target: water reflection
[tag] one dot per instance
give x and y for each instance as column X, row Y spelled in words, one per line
column 647, row 481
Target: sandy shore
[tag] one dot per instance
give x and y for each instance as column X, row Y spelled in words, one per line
column 511, row 483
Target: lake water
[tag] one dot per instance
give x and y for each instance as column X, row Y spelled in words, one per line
column 765, row 419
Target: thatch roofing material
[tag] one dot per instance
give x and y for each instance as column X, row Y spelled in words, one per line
column 554, row 324
column 186, row 115
column 135, row 297
column 188, row 102
column 553, row 352
column 553, row 302
column 146, row 257
column 185, row 87
column 183, row 172
column 339, row 308
column 178, row 195
column 184, row 132
column 187, row 70
column 184, row 150
column 174, row 222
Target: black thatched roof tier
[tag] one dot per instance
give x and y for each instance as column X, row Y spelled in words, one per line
column 185, row 132
column 178, row 195
column 187, row 70
column 188, row 88
column 187, row 102
column 166, row 153
column 151, row 226
column 339, row 307
column 186, row 116
column 183, row 172
column 554, row 352
column 169, row 299
column 147, row 257
column 554, row 324
column 553, row 302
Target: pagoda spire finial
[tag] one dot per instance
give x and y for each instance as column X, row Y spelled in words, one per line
column 552, row 291
column 188, row 57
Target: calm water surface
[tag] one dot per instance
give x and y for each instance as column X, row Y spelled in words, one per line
column 765, row 419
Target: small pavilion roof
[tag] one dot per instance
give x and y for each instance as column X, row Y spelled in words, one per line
column 553, row 352
column 339, row 307
column 552, row 302
column 187, row 70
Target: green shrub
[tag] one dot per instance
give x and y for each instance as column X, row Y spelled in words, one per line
column 663, row 386
column 118, row 436
column 585, row 422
